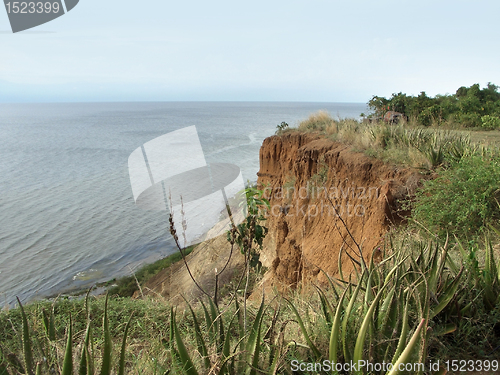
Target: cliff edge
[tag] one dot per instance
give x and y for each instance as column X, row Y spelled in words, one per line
column 329, row 204
column 326, row 199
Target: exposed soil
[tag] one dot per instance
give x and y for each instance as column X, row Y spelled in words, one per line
column 324, row 197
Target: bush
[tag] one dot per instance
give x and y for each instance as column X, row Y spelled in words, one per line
column 468, row 120
column 281, row 128
column 462, row 199
column 490, row 122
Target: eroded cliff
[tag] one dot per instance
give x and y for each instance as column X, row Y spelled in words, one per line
column 325, row 200
column 325, row 197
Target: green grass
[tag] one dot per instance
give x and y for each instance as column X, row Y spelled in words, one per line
column 127, row 286
column 144, row 339
column 450, row 294
column 402, row 144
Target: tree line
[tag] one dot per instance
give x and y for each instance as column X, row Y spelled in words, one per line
column 469, row 107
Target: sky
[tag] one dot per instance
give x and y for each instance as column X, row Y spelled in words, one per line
column 274, row 50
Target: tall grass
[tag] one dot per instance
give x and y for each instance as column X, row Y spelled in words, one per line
column 415, row 305
column 419, row 303
column 403, row 143
column 403, row 310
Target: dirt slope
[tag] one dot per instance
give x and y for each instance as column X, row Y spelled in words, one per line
column 323, row 197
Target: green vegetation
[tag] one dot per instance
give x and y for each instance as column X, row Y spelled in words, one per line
column 86, row 334
column 281, row 128
column 128, row 285
column 463, row 199
column 424, row 301
column 469, row 107
column 399, row 144
column 434, row 296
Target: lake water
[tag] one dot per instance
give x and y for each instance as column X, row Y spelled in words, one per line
column 67, row 214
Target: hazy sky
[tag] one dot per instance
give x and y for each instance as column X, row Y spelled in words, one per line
column 340, row 51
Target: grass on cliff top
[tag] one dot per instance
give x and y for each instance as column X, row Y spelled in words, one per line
column 403, row 144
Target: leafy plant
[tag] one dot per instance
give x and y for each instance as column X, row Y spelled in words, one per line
column 281, row 128
column 50, row 365
column 250, row 233
column 490, row 122
column 461, row 199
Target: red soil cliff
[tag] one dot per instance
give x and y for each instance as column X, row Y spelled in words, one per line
column 306, row 232
column 325, row 197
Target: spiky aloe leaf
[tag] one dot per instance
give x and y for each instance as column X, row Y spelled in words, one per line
column 385, row 309
column 218, row 325
column 202, row 347
column 27, row 351
column 106, row 356
column 85, row 361
column 345, row 321
column 447, row 295
column 86, row 366
column 404, row 330
column 433, row 268
column 450, row 263
column 325, row 307
column 272, row 338
column 170, row 345
column 49, row 325
column 210, row 323
column 253, row 343
column 187, row 363
column 394, row 269
column 335, row 332
column 409, row 350
column 226, row 348
column 121, row 366
column 360, row 341
column 340, row 263
column 68, row 354
column 368, row 290
column 303, row 329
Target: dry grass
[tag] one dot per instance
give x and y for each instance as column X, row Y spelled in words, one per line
column 403, row 144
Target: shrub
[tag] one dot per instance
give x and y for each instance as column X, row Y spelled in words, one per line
column 281, row 128
column 462, row 199
column 468, row 120
column 490, row 122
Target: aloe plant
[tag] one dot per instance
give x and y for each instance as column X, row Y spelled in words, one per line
column 372, row 320
column 86, row 365
column 240, row 352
